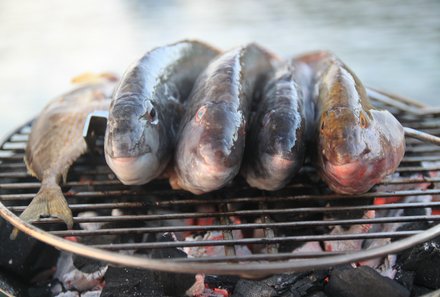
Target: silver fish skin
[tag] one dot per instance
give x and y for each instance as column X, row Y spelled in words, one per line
column 276, row 141
column 146, row 109
column 357, row 144
column 213, row 131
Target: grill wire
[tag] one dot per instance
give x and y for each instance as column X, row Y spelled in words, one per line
column 132, row 218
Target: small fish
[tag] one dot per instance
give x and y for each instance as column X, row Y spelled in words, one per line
column 357, row 144
column 56, row 141
column 212, row 136
column 146, row 108
column 275, row 145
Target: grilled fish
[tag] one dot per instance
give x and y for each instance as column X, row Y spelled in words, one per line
column 357, row 144
column 56, row 141
column 276, row 142
column 212, row 134
column 146, row 107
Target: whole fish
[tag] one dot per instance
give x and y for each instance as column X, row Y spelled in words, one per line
column 56, row 141
column 357, row 144
column 146, row 109
column 276, row 142
column 212, row 135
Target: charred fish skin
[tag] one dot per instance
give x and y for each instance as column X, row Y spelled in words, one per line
column 357, row 144
column 146, row 107
column 275, row 146
column 56, row 141
column 212, row 134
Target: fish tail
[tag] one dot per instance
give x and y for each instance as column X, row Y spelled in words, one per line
column 49, row 201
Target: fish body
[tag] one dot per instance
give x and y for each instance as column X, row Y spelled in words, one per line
column 56, row 141
column 276, row 141
column 357, row 144
column 212, row 136
column 146, row 107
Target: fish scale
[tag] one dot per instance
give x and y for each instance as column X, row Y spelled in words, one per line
column 55, row 142
column 147, row 107
column 212, row 134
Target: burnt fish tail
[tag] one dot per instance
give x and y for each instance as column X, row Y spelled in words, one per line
column 56, row 141
column 212, row 135
column 276, row 141
column 357, row 144
column 146, row 109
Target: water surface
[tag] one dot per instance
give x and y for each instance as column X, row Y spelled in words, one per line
column 393, row 45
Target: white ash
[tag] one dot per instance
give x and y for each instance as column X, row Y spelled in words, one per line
column 72, row 278
column 213, row 251
column 77, row 294
column 308, row 247
column 68, row 294
column 349, row 245
column 90, row 226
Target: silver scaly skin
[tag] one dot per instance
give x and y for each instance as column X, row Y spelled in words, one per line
column 146, row 109
column 357, row 144
column 276, row 142
column 212, row 136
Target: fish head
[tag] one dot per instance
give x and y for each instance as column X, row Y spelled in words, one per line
column 211, row 146
column 131, row 141
column 359, row 147
column 342, row 135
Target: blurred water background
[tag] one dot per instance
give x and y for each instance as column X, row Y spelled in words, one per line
column 392, row 45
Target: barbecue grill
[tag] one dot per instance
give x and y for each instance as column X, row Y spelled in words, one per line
column 302, row 212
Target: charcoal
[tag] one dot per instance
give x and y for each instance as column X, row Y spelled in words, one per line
column 362, row 282
column 432, row 294
column 405, row 278
column 87, row 265
column 318, row 294
column 420, row 291
column 11, row 286
column 424, row 261
column 24, row 256
column 121, row 281
column 136, row 282
column 227, row 282
column 248, row 288
column 423, row 225
column 348, row 214
column 289, row 284
column 173, row 283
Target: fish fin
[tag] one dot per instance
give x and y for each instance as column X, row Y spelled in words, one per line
column 49, row 201
column 90, row 77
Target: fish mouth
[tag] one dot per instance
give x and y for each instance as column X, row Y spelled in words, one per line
column 134, row 170
column 350, row 178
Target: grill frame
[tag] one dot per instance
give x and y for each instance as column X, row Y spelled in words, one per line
column 245, row 266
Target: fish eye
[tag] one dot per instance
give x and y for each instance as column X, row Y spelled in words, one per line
column 200, row 113
column 150, row 115
column 363, row 121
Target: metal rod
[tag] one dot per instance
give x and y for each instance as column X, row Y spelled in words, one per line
column 256, row 199
column 261, row 257
column 246, row 241
column 249, row 226
column 248, row 270
column 379, row 94
column 242, row 213
column 409, row 132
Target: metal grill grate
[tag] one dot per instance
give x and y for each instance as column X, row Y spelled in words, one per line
column 272, row 224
